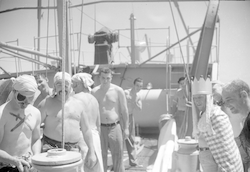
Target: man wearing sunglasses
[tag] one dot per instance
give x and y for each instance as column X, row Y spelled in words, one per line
column 76, row 122
column 19, row 126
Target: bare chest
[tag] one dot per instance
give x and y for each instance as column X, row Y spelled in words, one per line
column 20, row 122
column 110, row 98
column 70, row 111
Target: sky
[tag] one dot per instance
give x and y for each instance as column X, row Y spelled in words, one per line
column 152, row 19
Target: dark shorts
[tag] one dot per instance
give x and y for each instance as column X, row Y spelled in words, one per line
column 49, row 143
column 9, row 169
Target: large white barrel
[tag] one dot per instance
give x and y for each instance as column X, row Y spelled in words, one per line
column 58, row 160
column 153, row 106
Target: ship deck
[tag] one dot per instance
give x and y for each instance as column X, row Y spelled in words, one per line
column 146, row 155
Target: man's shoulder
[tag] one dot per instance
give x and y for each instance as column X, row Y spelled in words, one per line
column 32, row 109
column 2, row 109
column 116, row 87
column 95, row 88
column 127, row 91
column 84, row 96
column 218, row 115
column 79, row 95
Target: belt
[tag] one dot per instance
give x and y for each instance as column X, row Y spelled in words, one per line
column 111, row 124
column 203, row 149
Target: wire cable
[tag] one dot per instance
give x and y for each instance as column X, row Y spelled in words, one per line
column 184, row 63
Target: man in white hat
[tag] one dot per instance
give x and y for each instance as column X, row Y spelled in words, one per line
column 218, row 151
column 81, row 83
column 19, row 126
column 76, row 122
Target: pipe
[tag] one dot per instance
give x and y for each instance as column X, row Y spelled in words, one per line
column 170, row 47
column 18, row 48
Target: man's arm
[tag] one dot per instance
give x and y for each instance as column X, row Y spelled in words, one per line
column 174, row 104
column 36, row 141
column 138, row 102
column 98, row 121
column 123, row 108
column 87, row 134
column 221, row 143
column 42, row 109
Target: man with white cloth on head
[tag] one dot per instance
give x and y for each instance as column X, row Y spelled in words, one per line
column 81, row 83
column 19, row 127
column 76, row 121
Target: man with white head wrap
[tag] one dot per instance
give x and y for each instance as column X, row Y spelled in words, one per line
column 82, row 82
column 19, row 126
column 81, row 85
column 76, row 122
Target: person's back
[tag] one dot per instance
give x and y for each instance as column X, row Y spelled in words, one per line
column 81, row 83
column 91, row 104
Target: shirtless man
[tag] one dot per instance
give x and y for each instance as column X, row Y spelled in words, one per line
column 43, row 86
column 134, row 104
column 75, row 120
column 81, row 85
column 114, row 119
column 19, row 126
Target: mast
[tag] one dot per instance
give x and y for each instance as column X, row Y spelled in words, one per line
column 63, row 33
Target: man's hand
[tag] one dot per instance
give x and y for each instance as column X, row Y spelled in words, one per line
column 188, row 103
column 90, row 159
column 195, row 133
column 126, row 133
column 22, row 165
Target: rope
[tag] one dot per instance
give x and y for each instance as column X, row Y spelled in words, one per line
column 185, row 66
column 71, row 30
column 80, row 39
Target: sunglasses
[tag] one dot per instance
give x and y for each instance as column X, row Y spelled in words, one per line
column 20, row 97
